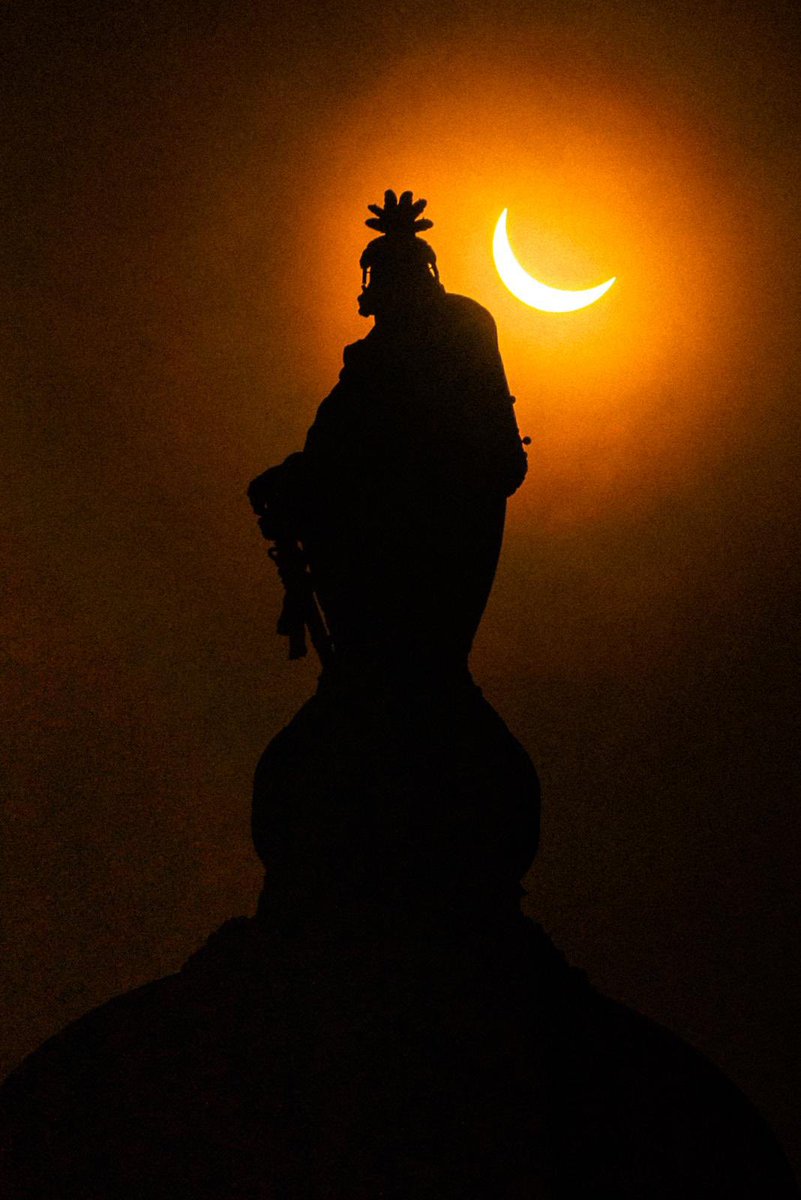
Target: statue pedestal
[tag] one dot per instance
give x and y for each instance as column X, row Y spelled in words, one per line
column 400, row 800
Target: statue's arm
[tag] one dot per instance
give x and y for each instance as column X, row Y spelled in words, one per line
column 489, row 432
column 280, row 495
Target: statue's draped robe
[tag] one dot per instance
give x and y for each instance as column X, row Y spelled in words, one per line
column 403, row 481
column 397, row 781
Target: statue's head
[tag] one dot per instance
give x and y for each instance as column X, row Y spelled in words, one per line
column 399, row 269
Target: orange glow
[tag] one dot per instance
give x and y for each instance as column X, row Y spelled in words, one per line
column 601, row 179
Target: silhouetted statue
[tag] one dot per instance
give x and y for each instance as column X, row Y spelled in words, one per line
column 397, row 771
column 399, row 495
column 388, row 1024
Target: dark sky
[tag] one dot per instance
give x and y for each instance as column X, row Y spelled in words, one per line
column 184, row 193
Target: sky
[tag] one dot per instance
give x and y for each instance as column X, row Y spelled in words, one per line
column 183, row 202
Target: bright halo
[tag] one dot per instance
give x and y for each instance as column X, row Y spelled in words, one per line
column 530, row 290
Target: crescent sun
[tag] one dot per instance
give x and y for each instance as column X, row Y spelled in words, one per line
column 530, row 290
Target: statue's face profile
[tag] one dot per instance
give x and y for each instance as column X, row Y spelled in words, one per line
column 388, row 294
column 383, row 294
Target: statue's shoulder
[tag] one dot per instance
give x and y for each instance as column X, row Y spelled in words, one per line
column 462, row 308
column 352, row 353
column 468, row 316
column 357, row 354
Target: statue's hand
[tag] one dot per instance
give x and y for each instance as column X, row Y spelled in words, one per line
column 274, row 497
column 261, row 490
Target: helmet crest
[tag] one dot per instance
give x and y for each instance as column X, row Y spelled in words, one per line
column 398, row 218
